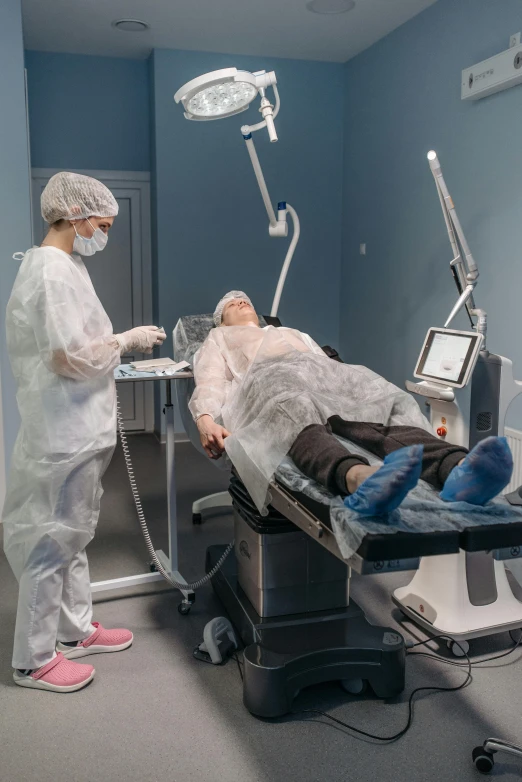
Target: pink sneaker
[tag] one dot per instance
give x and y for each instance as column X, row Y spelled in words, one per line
column 60, row 675
column 101, row 640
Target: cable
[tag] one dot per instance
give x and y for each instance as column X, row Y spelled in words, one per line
column 462, row 665
column 143, row 523
column 409, row 721
column 239, row 665
column 469, row 665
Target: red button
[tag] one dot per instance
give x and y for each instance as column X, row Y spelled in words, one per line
column 442, row 431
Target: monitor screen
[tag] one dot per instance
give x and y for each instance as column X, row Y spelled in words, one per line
column 446, row 355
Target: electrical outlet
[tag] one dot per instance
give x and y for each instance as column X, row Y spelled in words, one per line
column 362, row 249
column 514, row 40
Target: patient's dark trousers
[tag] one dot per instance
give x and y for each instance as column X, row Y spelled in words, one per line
column 320, row 456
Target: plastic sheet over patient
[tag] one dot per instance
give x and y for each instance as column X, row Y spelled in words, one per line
column 284, row 389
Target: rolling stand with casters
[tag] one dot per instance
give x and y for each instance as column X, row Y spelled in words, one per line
column 220, row 500
column 169, row 560
column 484, row 756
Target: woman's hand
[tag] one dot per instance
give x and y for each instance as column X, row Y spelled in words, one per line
column 212, row 436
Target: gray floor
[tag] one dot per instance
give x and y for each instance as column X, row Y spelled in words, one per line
column 153, row 713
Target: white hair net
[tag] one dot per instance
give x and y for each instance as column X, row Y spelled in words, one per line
column 74, row 197
column 218, row 312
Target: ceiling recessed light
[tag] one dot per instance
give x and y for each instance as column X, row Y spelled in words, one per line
column 131, row 25
column 330, row 6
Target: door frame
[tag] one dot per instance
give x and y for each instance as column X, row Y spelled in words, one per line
column 136, row 180
column 3, row 476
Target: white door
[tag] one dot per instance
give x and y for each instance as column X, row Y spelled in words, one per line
column 121, row 274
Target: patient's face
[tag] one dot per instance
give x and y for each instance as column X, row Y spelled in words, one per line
column 238, row 312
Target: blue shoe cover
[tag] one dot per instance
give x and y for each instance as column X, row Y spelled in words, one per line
column 483, row 474
column 384, row 491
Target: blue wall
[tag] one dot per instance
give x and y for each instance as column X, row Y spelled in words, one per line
column 15, row 224
column 88, row 112
column 212, row 229
column 403, row 99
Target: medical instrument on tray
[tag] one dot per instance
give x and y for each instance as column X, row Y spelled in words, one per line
column 227, row 92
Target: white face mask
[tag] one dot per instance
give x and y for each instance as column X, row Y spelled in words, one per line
column 86, row 247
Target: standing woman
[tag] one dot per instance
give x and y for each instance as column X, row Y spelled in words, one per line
column 63, row 353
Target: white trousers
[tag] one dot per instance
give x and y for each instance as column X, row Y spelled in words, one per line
column 54, row 604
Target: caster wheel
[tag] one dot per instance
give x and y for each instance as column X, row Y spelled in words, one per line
column 197, row 518
column 354, row 686
column 184, row 608
column 459, row 649
column 483, row 760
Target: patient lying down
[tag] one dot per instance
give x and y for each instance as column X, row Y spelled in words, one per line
column 262, row 393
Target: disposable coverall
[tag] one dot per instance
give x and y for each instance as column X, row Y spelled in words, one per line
column 63, row 353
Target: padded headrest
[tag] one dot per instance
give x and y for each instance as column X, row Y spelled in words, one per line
column 190, row 333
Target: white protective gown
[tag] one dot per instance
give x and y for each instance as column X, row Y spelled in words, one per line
column 63, row 353
column 266, row 385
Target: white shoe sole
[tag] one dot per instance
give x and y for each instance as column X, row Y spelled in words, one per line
column 39, row 684
column 73, row 652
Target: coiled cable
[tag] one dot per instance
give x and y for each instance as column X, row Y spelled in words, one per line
column 143, row 523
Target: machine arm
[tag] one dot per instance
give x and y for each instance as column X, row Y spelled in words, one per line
column 463, row 265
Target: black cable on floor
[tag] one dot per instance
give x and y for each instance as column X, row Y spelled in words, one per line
column 435, row 657
column 462, row 665
column 409, row 721
column 239, row 665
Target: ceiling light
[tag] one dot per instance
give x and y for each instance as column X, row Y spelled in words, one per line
column 131, row 25
column 330, row 6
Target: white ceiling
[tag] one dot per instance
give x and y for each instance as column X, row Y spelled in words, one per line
column 278, row 28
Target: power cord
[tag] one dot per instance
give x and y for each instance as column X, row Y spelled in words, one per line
column 409, row 721
column 409, row 645
column 182, row 586
column 462, row 665
column 239, row 665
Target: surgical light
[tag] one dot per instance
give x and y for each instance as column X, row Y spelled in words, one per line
column 226, row 92
column 222, row 93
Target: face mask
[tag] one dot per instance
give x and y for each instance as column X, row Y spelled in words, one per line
column 86, row 247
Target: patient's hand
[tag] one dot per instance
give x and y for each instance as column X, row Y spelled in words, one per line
column 212, row 436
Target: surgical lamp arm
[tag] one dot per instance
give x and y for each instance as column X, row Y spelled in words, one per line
column 288, row 260
column 269, row 114
column 278, row 226
column 249, row 141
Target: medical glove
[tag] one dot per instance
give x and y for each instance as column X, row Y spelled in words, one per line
column 483, row 474
column 384, row 491
column 142, row 339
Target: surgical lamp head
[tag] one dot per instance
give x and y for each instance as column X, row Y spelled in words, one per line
column 227, row 92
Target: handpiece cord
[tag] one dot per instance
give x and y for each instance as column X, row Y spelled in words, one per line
column 143, row 523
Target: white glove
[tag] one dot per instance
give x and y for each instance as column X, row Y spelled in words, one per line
column 142, row 339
